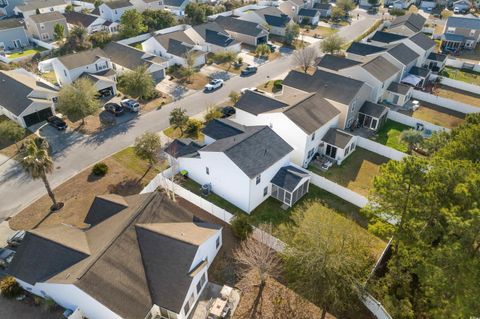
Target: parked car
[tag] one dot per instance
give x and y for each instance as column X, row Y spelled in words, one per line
column 456, row 10
column 227, row 111
column 130, row 105
column 6, row 256
column 271, row 46
column 214, row 84
column 114, row 108
column 57, row 123
column 249, row 70
column 242, row 91
column 16, row 239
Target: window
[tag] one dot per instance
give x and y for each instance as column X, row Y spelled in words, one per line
column 217, row 242
column 472, row 33
column 265, row 191
column 201, row 283
column 207, row 171
column 188, row 305
column 313, row 136
column 451, row 30
column 310, row 153
column 258, row 179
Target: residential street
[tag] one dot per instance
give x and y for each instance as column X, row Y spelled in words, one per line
column 18, row 191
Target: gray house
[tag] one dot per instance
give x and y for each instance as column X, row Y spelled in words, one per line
column 12, row 35
column 7, row 6
column 42, row 26
column 461, row 32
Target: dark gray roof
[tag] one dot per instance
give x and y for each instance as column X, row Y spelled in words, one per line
column 399, row 88
column 78, row 18
column 387, row 37
column 373, row 109
column 337, row 138
column 381, row 68
column 308, row 13
column 437, row 57
column 453, row 37
column 76, row 60
column 422, row 72
column 364, row 49
column 274, row 17
column 220, row 128
column 336, row 63
column 240, row 26
column 46, row 17
column 174, row 3
column 96, row 11
column 328, row 85
column 322, row 6
column 10, row 24
column 413, row 21
column 183, row 148
column 213, row 33
column 38, row 4
column 422, row 41
column 127, row 56
column 257, row 103
column 289, row 177
column 103, row 207
column 464, row 23
column 253, row 151
column 117, row 4
column 403, row 54
column 311, row 113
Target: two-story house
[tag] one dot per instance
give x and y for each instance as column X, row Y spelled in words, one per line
column 272, row 17
column 7, row 7
column 460, row 33
column 13, row 35
column 403, row 57
column 242, row 164
column 422, row 45
column 293, row 7
column 141, row 256
column 40, row 6
column 363, row 52
column 113, row 10
column 93, row 64
column 386, row 39
column 177, row 7
column 142, row 5
column 25, row 98
column 42, row 26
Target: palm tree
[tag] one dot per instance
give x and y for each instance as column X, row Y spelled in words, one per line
column 412, row 138
column 35, row 159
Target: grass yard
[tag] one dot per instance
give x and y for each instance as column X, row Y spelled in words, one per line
column 356, row 172
column 230, row 68
column 177, row 133
column 50, row 77
column 467, row 76
column 458, row 95
column 318, row 31
column 196, row 82
column 268, row 87
column 25, row 53
column 389, row 135
column 438, row 115
column 124, row 178
column 7, row 147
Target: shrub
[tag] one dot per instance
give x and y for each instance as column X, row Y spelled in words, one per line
column 10, row 288
column 397, row 12
column 192, row 128
column 49, row 305
column 100, row 169
column 277, row 84
column 241, row 227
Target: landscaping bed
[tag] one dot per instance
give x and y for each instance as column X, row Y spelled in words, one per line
column 389, row 135
column 269, row 87
column 356, row 172
column 458, row 95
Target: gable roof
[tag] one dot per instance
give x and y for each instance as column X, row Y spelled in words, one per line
column 403, row 54
column 422, row 41
column 463, row 22
column 104, row 207
column 322, row 6
column 273, row 16
column 184, row 147
column 364, row 49
column 437, row 57
column 78, row 18
column 337, row 138
column 177, row 42
column 241, row 26
column 174, row 3
column 6, row 24
column 418, row 71
column 117, row 4
column 308, row 12
column 373, row 109
column 257, row 103
column 412, row 21
column 336, row 63
column 39, row 4
column 328, row 85
column 46, row 17
column 221, row 128
column 213, row 33
column 381, row 68
column 399, row 88
column 289, row 177
column 387, row 37
column 127, row 56
column 76, row 60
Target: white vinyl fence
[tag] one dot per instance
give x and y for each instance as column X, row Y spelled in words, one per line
column 375, row 307
column 460, row 64
column 411, row 121
column 380, row 149
column 460, row 85
column 446, row 103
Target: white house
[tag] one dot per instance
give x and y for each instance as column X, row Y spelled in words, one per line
column 216, row 38
column 113, row 10
column 93, row 64
column 398, row 93
column 242, row 164
column 337, row 144
column 408, row 24
column 43, row 6
column 276, row 20
column 7, row 7
column 403, row 57
column 422, row 45
column 462, row 5
column 246, row 32
column 141, row 256
column 25, row 98
column 177, row 7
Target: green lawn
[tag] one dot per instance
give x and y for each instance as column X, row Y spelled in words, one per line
column 471, row 77
column 25, row 53
column 129, row 160
column 389, row 135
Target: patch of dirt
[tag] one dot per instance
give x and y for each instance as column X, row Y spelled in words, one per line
column 157, row 103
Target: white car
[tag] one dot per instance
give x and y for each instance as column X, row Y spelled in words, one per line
column 242, row 91
column 214, row 84
column 456, row 10
column 130, row 105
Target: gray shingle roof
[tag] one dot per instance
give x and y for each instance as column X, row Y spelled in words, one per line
column 274, row 17
column 78, row 18
column 220, row 128
column 257, row 103
column 213, row 33
column 387, row 37
column 289, row 177
column 328, row 85
column 183, row 148
column 422, row 41
column 336, row 63
column 103, row 207
column 403, row 54
column 360, row 48
column 308, row 13
column 373, row 109
column 174, row 3
column 253, row 151
column 38, row 4
column 76, row 60
column 240, row 26
column 437, row 57
column 422, row 72
column 337, row 138
column 117, row 4
column 10, row 24
column 46, row 17
column 128, row 56
column 399, row 88
column 464, row 22
column 381, row 68
column 413, row 21
column 322, row 6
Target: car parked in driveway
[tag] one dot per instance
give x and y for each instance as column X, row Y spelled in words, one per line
column 214, row 84
column 114, row 108
column 16, row 238
column 130, row 105
column 249, row 70
column 6, row 256
column 57, row 123
column 227, row 111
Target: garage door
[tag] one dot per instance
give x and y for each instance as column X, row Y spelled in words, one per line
column 106, row 92
column 37, row 117
column 157, row 76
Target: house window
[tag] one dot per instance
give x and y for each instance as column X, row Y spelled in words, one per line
column 310, row 153
column 201, row 283
column 207, row 171
column 217, row 242
column 186, row 308
column 451, row 30
column 313, row 136
column 45, row 36
column 258, row 179
column 265, row 191
column 65, row 72
column 188, row 305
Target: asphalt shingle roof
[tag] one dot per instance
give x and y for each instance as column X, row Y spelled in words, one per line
column 437, row 57
column 274, row 17
column 213, row 33
column 127, row 56
column 464, row 22
column 240, row 26
column 322, row 6
column 381, row 68
column 422, row 41
column 10, row 24
column 38, row 4
column 372, row 109
column 220, row 128
column 308, row 13
column 399, row 88
column 289, row 177
column 337, row 138
column 364, row 49
column 76, row 60
column 422, row 72
column 78, row 18
column 46, row 17
column 412, row 21
column 333, row 62
column 184, row 147
column 257, row 103
column 387, row 37
column 117, row 4
column 403, row 54
column 174, row 3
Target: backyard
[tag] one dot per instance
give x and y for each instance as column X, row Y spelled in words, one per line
column 467, row 76
column 25, row 52
column 438, row 115
column 389, row 135
column 458, row 95
column 356, row 172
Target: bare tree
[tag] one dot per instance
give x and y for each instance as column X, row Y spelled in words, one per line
column 305, row 57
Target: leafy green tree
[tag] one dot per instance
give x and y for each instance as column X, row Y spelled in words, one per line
column 78, row 100
column 147, row 147
column 435, row 142
column 225, row 57
column 77, row 40
column 11, row 131
column 137, row 83
column 158, row 19
column 10, row 288
column 36, row 161
column 97, row 3
column 178, row 119
column 69, row 9
column 327, row 258
column 196, row 13
column 213, row 112
column 58, row 31
column 188, row 70
column 412, row 138
column 337, row 13
column 262, row 50
column 131, row 24
column 292, row 31
column 241, row 226
column 373, row 3
column 332, row 44
column 346, row 5
column 192, row 128
column 100, row 38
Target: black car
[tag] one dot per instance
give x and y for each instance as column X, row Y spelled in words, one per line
column 114, row 108
column 272, row 47
column 228, row 111
column 249, row 70
column 57, row 123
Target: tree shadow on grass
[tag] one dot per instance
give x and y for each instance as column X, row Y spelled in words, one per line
column 126, row 187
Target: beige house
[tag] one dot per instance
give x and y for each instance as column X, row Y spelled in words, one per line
column 42, row 26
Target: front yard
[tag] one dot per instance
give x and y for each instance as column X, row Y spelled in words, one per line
column 438, row 115
column 389, row 135
column 467, row 76
column 127, row 175
column 317, row 31
column 458, row 95
column 356, row 172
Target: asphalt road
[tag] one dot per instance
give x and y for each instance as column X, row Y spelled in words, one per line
column 17, row 190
